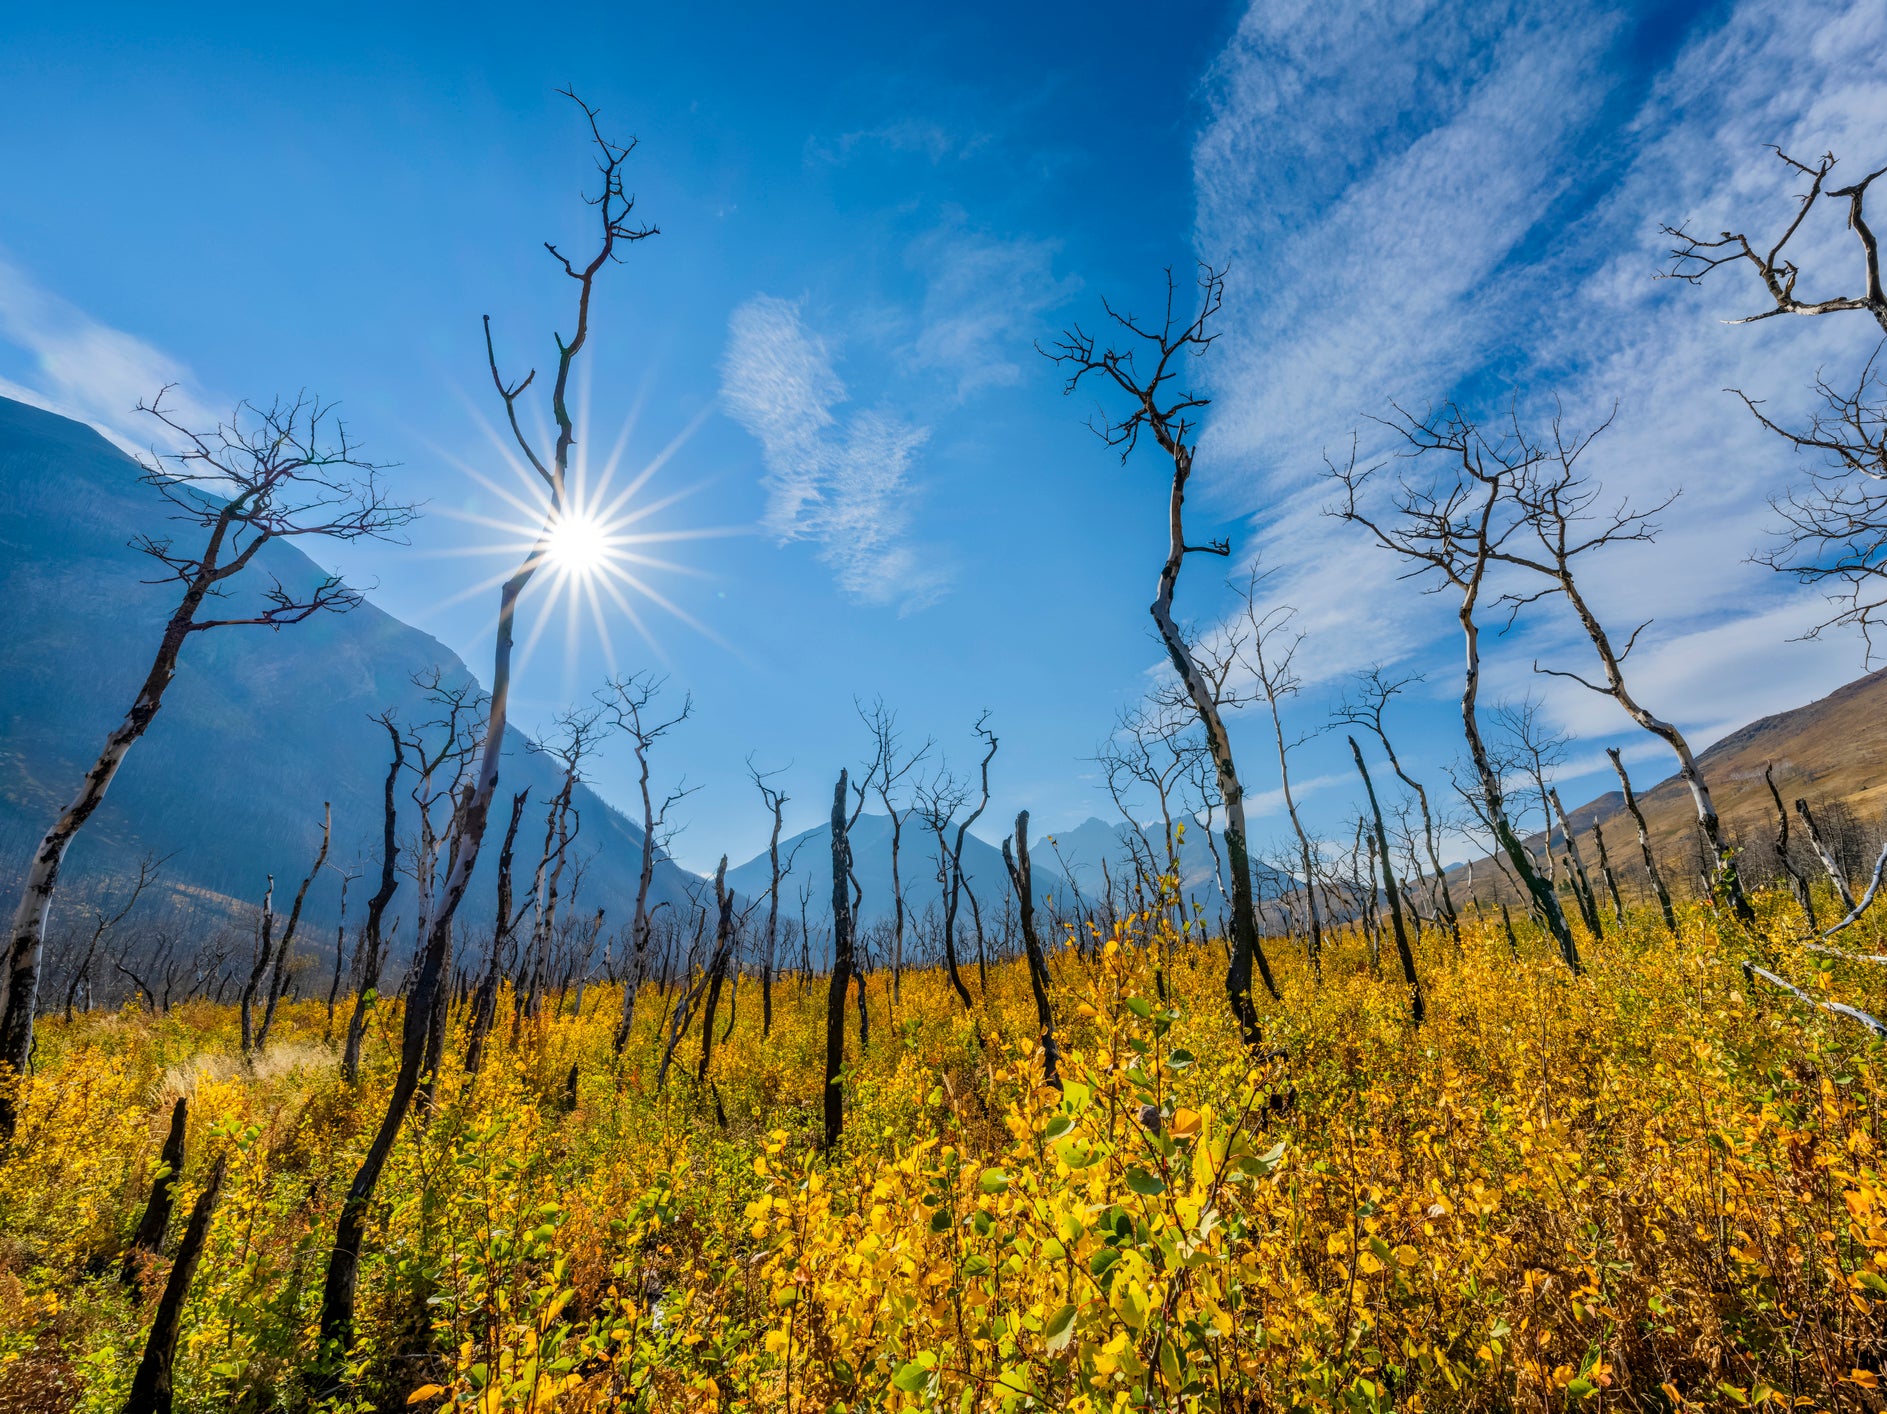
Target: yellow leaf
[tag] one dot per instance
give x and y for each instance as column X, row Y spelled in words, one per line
column 424, row 1393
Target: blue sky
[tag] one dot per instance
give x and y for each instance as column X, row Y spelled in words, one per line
column 869, row 214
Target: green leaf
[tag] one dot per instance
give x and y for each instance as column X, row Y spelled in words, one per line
column 911, row 1378
column 976, row 1265
column 940, row 1220
column 994, row 1181
column 1057, row 1127
column 1138, row 1006
column 1147, row 1185
column 1180, row 1059
column 1059, row 1330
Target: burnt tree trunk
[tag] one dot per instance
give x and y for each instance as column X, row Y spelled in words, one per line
column 150, row 1387
column 1417, row 1007
column 372, row 945
column 278, row 973
column 155, row 1223
column 1022, row 878
column 1797, row 883
column 1827, row 856
column 841, row 967
column 1649, row 859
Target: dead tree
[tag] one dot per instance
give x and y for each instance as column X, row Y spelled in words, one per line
column 1268, row 651
column 1558, row 505
column 1022, row 881
column 104, row 925
column 888, row 769
column 370, row 953
column 340, row 950
column 841, row 967
column 155, row 1224
column 1582, row 883
column 1646, row 856
column 259, row 967
column 1151, row 746
column 278, row 980
column 1834, row 532
column 1374, row 690
column 1452, row 527
column 775, row 802
column 1167, row 414
column 286, row 471
column 613, row 207
column 724, row 934
column 630, row 701
column 151, row 1385
column 1391, row 895
column 1798, row 883
column 503, row 929
column 1836, row 874
column 574, row 742
column 1605, row 870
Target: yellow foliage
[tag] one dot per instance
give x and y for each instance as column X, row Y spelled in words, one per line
column 1638, row 1187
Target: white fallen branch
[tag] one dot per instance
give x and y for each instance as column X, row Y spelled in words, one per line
column 1838, row 1008
column 1846, row 956
column 1873, row 887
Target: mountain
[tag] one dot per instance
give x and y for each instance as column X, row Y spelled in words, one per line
column 258, row 729
column 1831, row 752
column 1081, row 851
column 811, row 853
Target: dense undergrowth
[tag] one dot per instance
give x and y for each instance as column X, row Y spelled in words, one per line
column 1648, row 1187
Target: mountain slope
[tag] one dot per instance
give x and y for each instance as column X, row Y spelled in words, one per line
column 1831, row 752
column 256, row 732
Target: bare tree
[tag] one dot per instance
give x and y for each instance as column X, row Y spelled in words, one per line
column 1650, row 860
column 287, row 471
column 1417, row 1007
column 613, row 207
column 1152, row 746
column 1022, row 881
column 1167, row 414
column 370, row 952
column 278, row 979
column 105, row 923
column 347, row 877
column 841, row 966
column 503, row 929
column 630, row 702
column 1453, row 527
column 1833, row 532
column 1798, row 882
column 1374, row 690
column 1558, row 506
column 889, row 767
column 1268, row 650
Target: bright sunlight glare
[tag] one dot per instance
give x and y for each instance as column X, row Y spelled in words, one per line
column 578, row 544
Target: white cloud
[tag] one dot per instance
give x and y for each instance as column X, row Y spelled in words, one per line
column 86, row 370
column 1475, row 207
column 983, row 297
column 845, row 486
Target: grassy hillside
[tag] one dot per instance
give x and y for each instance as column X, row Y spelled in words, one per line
column 1647, row 1187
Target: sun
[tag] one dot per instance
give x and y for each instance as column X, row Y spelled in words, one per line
column 578, row 544
column 591, row 549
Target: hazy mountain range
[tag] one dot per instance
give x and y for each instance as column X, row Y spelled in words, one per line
column 256, row 732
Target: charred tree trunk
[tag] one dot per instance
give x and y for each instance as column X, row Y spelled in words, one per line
column 1417, row 1007
column 485, row 1000
column 1022, row 879
column 1797, row 883
column 372, row 945
column 278, row 977
column 259, row 969
column 151, row 1387
column 1605, row 869
column 1582, row 884
column 717, row 969
column 841, row 967
column 1649, row 859
column 155, row 1223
